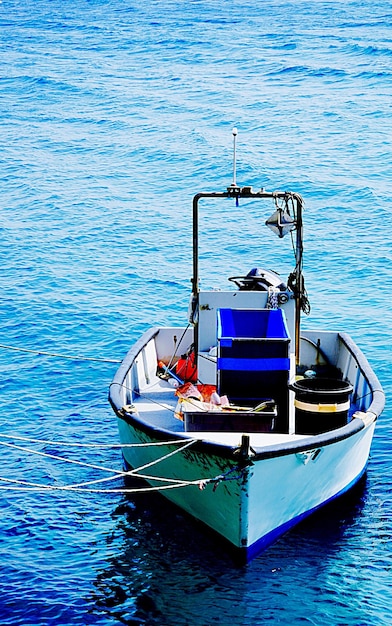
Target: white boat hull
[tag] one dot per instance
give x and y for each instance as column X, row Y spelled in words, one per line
column 249, row 498
column 283, row 490
column 253, row 505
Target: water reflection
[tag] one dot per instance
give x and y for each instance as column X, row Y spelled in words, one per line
column 163, row 568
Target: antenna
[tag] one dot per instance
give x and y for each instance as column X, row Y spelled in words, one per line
column 235, row 133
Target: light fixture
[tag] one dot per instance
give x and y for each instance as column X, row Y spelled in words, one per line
column 281, row 222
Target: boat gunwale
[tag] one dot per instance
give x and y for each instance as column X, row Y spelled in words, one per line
column 378, row 401
column 360, row 419
column 258, row 453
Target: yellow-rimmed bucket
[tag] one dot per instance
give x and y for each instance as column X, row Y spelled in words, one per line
column 321, row 404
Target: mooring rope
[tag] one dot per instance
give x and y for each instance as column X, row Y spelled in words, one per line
column 177, row 346
column 78, row 486
column 98, row 467
column 145, row 396
column 83, row 358
column 91, row 445
column 61, row 356
column 174, row 482
column 53, row 488
column 55, row 457
column 201, row 483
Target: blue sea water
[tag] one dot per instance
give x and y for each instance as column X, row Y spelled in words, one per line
column 113, row 114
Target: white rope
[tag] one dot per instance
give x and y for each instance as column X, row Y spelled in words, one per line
column 135, row 472
column 162, row 458
column 61, row 356
column 58, row 458
column 92, row 466
column 121, row 490
column 174, row 481
column 146, row 396
column 92, row 445
column 117, row 473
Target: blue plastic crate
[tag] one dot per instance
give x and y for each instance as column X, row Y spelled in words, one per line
column 252, row 340
column 253, row 358
column 251, row 324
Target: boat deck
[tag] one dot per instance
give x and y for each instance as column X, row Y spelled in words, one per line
column 156, row 406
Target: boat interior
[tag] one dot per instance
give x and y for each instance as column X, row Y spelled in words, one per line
column 235, row 371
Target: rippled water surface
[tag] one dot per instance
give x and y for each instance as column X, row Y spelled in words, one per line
column 113, row 114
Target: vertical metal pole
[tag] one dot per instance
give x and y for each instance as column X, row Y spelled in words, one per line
column 235, row 133
column 195, row 277
column 299, row 281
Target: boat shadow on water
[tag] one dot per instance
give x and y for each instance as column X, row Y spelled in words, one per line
column 154, row 545
column 157, row 523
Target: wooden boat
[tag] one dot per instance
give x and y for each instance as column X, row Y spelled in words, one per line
column 241, row 418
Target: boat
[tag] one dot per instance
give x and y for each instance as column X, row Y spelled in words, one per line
column 240, row 417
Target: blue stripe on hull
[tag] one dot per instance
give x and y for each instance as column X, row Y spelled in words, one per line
column 261, row 544
column 245, row 555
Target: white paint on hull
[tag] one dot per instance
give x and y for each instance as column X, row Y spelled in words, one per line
column 267, row 496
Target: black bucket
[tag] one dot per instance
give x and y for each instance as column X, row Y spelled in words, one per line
column 321, row 404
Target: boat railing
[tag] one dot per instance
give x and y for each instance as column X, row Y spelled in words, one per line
column 368, row 393
column 125, row 381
